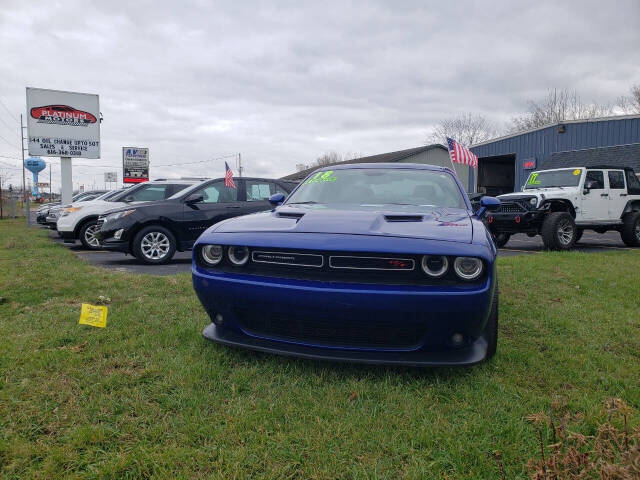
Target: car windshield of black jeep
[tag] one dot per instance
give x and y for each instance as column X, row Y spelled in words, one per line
column 394, row 189
column 554, row 178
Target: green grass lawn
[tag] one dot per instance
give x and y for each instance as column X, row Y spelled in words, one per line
column 149, row 397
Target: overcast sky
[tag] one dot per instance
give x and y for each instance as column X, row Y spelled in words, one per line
column 283, row 82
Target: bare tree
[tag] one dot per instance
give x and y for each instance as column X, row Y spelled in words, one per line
column 466, row 129
column 630, row 103
column 556, row 107
column 328, row 158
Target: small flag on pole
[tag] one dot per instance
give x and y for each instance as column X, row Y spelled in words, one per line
column 228, row 177
column 461, row 154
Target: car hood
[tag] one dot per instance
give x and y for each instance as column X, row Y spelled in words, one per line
column 446, row 224
column 541, row 193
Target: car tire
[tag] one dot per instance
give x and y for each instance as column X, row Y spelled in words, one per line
column 559, row 231
column 154, row 245
column 630, row 232
column 87, row 235
column 501, row 239
column 491, row 330
column 579, row 233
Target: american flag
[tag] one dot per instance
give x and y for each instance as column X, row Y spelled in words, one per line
column 461, row 154
column 228, row 177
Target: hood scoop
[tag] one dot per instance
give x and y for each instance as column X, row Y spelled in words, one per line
column 295, row 215
column 403, row 218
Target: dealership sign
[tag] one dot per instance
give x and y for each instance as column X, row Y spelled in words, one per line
column 529, row 163
column 63, row 124
column 135, row 164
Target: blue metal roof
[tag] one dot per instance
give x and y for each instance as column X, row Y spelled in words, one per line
column 540, row 143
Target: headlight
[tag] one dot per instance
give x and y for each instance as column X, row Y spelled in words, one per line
column 117, row 215
column 72, row 209
column 238, row 255
column 212, row 254
column 468, row 268
column 533, row 201
column 435, row 266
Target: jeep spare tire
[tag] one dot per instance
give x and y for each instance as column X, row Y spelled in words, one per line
column 630, row 232
column 559, row 231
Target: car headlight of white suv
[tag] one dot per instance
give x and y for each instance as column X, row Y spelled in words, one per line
column 67, row 211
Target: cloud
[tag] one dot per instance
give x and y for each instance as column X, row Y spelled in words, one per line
column 284, row 82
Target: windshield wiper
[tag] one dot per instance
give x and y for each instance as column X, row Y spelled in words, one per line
column 308, row 202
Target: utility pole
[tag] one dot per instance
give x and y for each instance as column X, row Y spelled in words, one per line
column 1, row 201
column 50, row 168
column 24, row 182
column 240, row 165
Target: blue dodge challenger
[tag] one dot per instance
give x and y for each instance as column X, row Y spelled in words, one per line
column 372, row 263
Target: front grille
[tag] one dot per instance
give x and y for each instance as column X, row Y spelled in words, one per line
column 511, row 208
column 340, row 267
column 333, row 332
column 351, row 262
column 516, row 205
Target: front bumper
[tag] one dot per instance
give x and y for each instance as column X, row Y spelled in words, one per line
column 434, row 313
column 516, row 222
column 107, row 240
column 123, row 246
column 475, row 353
column 67, row 237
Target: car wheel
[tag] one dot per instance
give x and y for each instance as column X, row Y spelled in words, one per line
column 492, row 326
column 630, row 232
column 559, row 231
column 154, row 245
column 579, row 232
column 501, row 239
column 88, row 235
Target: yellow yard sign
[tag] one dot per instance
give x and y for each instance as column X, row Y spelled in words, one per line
column 93, row 315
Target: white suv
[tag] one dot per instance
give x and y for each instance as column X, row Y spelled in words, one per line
column 560, row 204
column 79, row 221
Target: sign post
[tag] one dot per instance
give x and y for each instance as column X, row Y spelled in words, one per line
column 65, row 125
column 135, row 165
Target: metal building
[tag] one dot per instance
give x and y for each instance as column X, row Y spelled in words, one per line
column 505, row 163
column 430, row 154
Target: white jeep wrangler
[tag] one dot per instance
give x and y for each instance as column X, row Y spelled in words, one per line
column 560, row 204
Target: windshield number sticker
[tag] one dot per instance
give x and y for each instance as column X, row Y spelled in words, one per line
column 322, row 177
column 533, row 179
column 577, row 172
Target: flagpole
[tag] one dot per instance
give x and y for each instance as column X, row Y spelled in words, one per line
column 451, row 159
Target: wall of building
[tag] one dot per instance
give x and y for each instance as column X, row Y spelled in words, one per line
column 440, row 157
column 538, row 145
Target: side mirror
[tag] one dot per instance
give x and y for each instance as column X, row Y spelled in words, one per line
column 588, row 185
column 195, row 198
column 276, row 199
column 487, row 204
column 128, row 199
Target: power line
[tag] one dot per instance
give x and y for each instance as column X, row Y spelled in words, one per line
column 8, row 142
column 191, row 163
column 7, row 125
column 9, row 111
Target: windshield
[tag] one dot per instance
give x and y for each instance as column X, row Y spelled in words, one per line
column 395, row 189
column 126, row 191
column 108, row 195
column 554, row 178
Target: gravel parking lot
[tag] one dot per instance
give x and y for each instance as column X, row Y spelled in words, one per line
column 518, row 245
